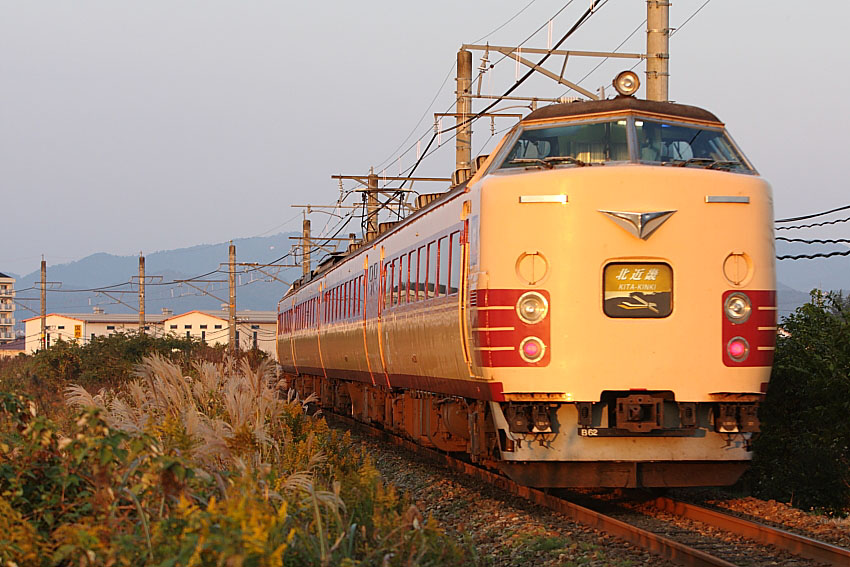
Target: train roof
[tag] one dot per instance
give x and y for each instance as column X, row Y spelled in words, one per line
column 576, row 109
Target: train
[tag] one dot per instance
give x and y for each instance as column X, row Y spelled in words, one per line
column 595, row 306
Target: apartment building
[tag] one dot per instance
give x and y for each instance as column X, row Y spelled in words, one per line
column 7, row 308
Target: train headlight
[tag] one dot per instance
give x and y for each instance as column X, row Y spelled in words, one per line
column 532, row 349
column 738, row 307
column 738, row 349
column 627, row 83
column 532, row 307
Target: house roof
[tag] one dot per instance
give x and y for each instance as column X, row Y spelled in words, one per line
column 104, row 317
column 17, row 344
column 245, row 316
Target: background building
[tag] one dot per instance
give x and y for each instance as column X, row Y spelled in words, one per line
column 254, row 329
column 7, row 309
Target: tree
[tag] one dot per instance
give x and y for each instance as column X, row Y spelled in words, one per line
column 803, row 453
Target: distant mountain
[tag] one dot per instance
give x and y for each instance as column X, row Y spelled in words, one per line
column 254, row 291
column 257, row 291
column 820, row 273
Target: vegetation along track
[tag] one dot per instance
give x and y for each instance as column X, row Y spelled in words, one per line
column 683, row 533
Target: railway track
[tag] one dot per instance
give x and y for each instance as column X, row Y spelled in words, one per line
column 751, row 543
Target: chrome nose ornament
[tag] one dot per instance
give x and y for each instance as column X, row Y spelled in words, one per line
column 642, row 225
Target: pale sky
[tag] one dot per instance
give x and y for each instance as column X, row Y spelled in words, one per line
column 149, row 125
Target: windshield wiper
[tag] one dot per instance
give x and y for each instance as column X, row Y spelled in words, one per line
column 568, row 159
column 706, row 163
column 531, row 161
column 548, row 162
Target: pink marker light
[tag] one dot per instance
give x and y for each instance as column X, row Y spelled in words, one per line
column 737, row 348
column 531, row 349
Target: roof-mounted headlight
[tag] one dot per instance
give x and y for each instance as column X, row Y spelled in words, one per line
column 627, row 83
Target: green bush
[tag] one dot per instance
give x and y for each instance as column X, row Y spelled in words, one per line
column 803, row 453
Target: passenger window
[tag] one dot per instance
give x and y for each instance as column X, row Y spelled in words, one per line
column 410, row 277
column 393, row 284
column 399, row 284
column 387, row 283
column 455, row 269
column 420, row 276
column 443, row 274
column 432, row 270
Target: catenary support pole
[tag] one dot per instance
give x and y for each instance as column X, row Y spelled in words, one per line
column 372, row 206
column 232, row 305
column 305, row 248
column 657, row 49
column 141, row 294
column 43, row 341
column 463, row 109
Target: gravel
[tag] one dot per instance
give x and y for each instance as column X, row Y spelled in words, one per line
column 830, row 530
column 503, row 530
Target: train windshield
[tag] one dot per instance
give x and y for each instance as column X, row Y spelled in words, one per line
column 633, row 139
column 687, row 146
column 574, row 144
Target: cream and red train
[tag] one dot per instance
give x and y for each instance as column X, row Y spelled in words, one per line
column 596, row 306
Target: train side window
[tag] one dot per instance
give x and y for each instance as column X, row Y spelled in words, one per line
column 443, row 266
column 422, row 266
column 384, row 284
column 411, row 277
column 432, row 270
column 454, row 262
column 401, row 264
column 359, row 295
column 346, row 299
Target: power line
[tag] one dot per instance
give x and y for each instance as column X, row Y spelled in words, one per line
column 825, row 223
column 804, row 217
column 698, row 10
column 581, row 21
column 816, row 240
column 512, row 18
column 410, row 148
column 813, row 256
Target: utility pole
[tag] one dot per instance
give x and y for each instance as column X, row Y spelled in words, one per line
column 141, row 294
column 305, row 247
column 43, row 303
column 373, row 203
column 657, row 49
column 463, row 108
column 372, row 206
column 232, row 319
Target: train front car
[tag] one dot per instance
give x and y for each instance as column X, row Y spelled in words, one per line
column 622, row 293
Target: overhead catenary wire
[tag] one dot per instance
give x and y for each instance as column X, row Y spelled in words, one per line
column 813, row 225
column 492, row 65
column 813, row 256
column 815, row 240
column 594, row 8
column 813, row 215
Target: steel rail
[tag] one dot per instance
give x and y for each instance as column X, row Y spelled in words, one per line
column 798, row 545
column 657, row 544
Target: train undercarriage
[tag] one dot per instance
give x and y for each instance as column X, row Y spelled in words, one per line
column 626, row 440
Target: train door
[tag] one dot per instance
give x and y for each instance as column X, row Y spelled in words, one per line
column 375, row 281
